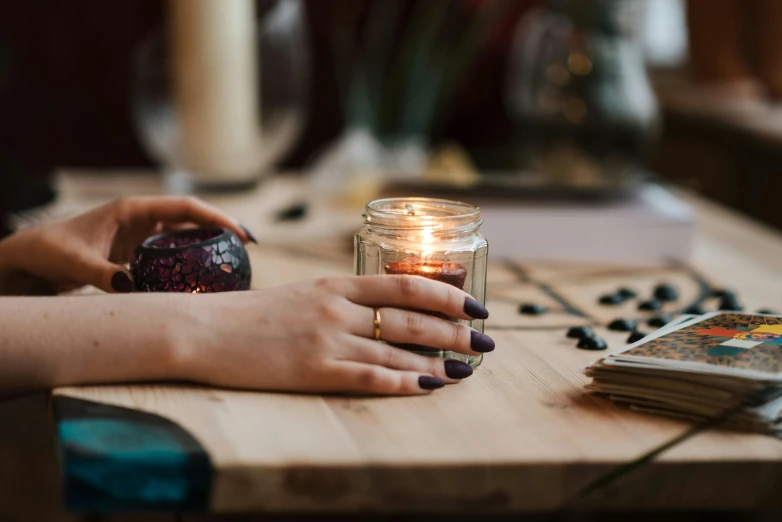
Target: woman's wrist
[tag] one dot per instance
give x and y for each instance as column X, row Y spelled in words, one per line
column 211, row 329
column 185, row 338
column 168, row 337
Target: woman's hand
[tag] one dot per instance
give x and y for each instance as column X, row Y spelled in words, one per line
column 93, row 247
column 313, row 336
column 319, row 336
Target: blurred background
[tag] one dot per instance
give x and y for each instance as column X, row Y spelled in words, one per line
column 570, row 94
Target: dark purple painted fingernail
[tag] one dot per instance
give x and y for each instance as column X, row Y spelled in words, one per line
column 481, row 342
column 430, row 383
column 457, row 369
column 475, row 309
column 249, row 234
column 121, row 283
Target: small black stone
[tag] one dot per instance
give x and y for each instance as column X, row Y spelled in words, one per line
column 579, row 332
column 695, row 309
column 666, row 292
column 627, row 293
column 659, row 321
column 622, row 325
column 294, row 212
column 611, row 299
column 730, row 304
column 767, row 311
column 635, row 337
column 592, row 343
column 721, row 292
column 651, row 305
column 532, row 309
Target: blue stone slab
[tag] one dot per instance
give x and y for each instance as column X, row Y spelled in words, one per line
column 119, row 459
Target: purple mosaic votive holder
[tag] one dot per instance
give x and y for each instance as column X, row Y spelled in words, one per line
column 196, row 261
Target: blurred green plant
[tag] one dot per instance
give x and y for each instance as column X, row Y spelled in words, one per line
column 400, row 78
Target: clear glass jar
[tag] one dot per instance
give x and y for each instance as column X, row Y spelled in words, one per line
column 434, row 238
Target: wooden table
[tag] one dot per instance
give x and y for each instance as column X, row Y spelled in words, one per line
column 521, row 434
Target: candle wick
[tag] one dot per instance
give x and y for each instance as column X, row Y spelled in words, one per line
column 410, row 211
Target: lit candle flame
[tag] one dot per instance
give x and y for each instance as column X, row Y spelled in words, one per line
column 428, row 226
column 427, row 239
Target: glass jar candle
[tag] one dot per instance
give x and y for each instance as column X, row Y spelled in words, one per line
column 434, row 238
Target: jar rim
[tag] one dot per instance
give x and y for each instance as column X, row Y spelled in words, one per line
column 392, row 208
column 421, row 213
column 216, row 234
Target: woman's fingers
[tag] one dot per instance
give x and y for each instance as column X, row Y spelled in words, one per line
column 372, row 352
column 174, row 226
column 371, row 378
column 407, row 327
column 414, row 292
column 172, row 209
column 90, row 268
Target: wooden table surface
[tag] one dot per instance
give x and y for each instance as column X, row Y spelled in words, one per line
column 521, row 434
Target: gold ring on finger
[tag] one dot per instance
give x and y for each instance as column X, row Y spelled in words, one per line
column 376, row 323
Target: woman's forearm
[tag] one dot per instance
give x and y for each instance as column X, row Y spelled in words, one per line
column 46, row 342
column 311, row 336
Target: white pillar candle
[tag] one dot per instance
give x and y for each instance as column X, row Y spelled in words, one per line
column 216, row 89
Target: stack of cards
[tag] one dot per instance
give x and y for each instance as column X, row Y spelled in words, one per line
column 724, row 367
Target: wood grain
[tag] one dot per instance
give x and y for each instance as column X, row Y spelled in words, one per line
column 521, row 434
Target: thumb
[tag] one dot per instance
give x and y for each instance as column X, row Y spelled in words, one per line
column 108, row 276
column 121, row 281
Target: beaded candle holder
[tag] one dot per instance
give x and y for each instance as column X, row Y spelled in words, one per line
column 197, row 261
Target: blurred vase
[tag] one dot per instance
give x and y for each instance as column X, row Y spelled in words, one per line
column 578, row 91
column 219, row 96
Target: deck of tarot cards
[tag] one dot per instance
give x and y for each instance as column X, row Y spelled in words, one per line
column 722, row 367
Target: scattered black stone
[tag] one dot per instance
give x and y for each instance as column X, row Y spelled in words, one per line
column 592, row 343
column 635, row 337
column 627, row 293
column 659, row 321
column 294, row 212
column 622, row 325
column 666, row 292
column 730, row 304
column 651, row 305
column 579, row 332
column 532, row 309
column 722, row 292
column 767, row 311
column 612, row 299
column 695, row 309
